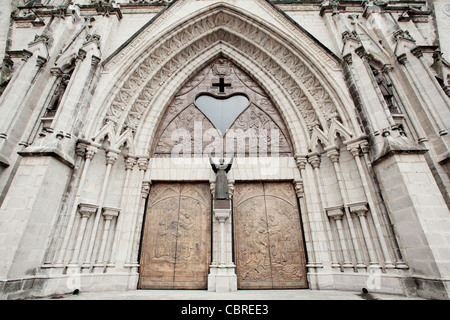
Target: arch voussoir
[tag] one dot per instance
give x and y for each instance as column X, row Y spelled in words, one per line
column 309, row 100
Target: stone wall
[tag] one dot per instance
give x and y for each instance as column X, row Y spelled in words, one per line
column 74, row 186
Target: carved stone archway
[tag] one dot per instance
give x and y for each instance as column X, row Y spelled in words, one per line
column 303, row 96
column 255, row 129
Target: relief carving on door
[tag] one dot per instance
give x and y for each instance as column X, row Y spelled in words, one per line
column 176, row 244
column 268, row 238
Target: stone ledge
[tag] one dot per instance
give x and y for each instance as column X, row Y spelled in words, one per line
column 48, row 152
column 4, row 162
column 397, row 145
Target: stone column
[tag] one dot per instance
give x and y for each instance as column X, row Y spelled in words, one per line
column 85, row 210
column 427, row 105
column 411, row 116
column 354, row 150
column 222, row 275
column 314, row 160
column 58, row 234
column 299, row 190
column 108, row 214
column 143, row 191
column 337, row 214
column 130, row 162
column 334, row 156
column 90, row 152
column 419, row 54
column 111, row 157
column 400, row 264
column 361, row 211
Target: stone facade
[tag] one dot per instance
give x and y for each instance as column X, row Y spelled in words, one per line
column 361, row 87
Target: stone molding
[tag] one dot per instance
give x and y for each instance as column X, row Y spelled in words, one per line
column 87, row 209
column 132, row 100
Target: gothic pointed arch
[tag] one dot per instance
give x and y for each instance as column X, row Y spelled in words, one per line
column 302, row 94
column 254, row 127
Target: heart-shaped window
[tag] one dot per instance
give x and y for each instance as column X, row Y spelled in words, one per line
column 222, row 112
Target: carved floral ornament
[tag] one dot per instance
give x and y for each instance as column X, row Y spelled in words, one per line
column 163, row 60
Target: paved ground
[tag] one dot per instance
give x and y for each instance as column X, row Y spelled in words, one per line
column 239, row 295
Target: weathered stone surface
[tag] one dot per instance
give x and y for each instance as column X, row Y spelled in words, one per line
column 96, row 97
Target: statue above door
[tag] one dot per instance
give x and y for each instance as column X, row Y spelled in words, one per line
column 221, row 111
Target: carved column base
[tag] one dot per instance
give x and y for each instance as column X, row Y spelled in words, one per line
column 99, row 268
column 222, row 275
column 73, row 268
column 222, row 278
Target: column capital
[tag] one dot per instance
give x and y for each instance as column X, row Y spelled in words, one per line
column 231, row 184
column 95, row 61
column 111, row 156
column 142, row 163
column 333, row 154
column 387, row 68
column 299, row 188
column 81, row 55
column 90, row 152
column 417, row 52
column 300, row 161
column 335, row 212
column 145, row 189
column 56, row 72
column 314, row 160
column 130, row 162
column 348, row 58
column 359, row 208
column 402, row 59
column 86, row 209
column 221, row 215
column 26, row 55
column 40, row 61
column 80, row 149
column 354, row 149
column 110, row 213
column 362, row 53
column 365, row 147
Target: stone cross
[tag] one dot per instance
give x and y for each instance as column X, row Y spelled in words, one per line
column 222, row 85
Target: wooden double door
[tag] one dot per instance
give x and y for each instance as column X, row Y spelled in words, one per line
column 268, row 242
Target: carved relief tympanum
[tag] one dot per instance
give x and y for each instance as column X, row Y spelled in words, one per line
column 188, row 129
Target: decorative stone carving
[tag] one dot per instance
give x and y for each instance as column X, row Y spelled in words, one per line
column 335, row 213
column 314, row 160
column 260, row 122
column 86, row 210
column 143, row 83
column 269, row 253
column 360, row 209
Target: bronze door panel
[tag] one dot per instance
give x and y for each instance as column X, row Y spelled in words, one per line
column 176, row 245
column 269, row 243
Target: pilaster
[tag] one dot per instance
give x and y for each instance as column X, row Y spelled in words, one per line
column 222, row 275
column 420, row 218
column 29, row 213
